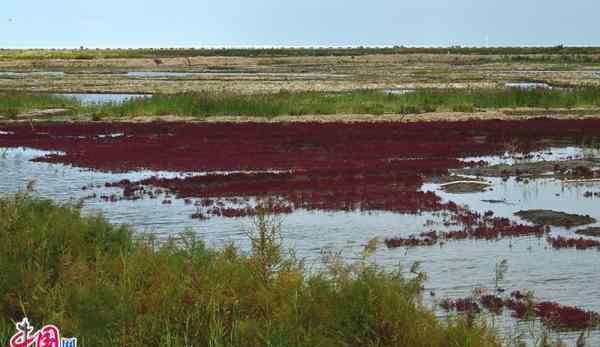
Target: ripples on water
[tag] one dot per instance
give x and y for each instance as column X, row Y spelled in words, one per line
column 568, row 276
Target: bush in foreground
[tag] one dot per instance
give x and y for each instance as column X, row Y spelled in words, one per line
column 99, row 283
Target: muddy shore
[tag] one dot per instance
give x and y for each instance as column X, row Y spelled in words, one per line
column 65, row 115
column 251, row 75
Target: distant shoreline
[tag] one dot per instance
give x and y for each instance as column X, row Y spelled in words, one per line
column 304, row 46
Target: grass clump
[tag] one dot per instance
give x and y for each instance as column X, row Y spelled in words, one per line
column 357, row 102
column 14, row 103
column 99, row 283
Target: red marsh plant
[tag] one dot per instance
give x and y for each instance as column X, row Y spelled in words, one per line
column 560, row 242
column 524, row 307
column 474, row 226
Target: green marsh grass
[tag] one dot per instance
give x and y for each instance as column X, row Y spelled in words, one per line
column 102, row 284
column 357, row 102
column 206, row 104
column 14, row 103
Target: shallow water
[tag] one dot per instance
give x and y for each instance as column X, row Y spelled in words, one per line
column 548, row 154
column 31, row 73
column 570, row 277
column 528, row 85
column 399, row 91
column 91, row 98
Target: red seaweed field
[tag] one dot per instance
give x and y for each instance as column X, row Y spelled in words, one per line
column 413, row 148
column 321, row 166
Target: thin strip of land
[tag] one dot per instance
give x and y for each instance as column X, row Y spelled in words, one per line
column 476, row 103
column 84, row 53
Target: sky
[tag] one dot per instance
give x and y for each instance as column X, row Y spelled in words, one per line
column 187, row 23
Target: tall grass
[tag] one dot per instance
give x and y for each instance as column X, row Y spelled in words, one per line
column 14, row 103
column 357, row 102
column 207, row 104
column 108, row 288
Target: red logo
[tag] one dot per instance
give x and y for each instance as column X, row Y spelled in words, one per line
column 48, row 336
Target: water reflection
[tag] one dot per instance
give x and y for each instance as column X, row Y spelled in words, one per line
column 91, row 98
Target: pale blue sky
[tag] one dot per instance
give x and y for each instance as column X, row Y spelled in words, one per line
column 93, row 23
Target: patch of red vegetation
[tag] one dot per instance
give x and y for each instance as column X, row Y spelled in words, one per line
column 492, row 303
column 487, row 227
column 268, row 146
column 424, row 239
column 523, row 307
column 324, row 166
column 474, row 226
column 566, row 316
column 580, row 243
column 317, row 190
column 466, row 305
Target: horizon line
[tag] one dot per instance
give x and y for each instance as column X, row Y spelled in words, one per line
column 220, row 47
